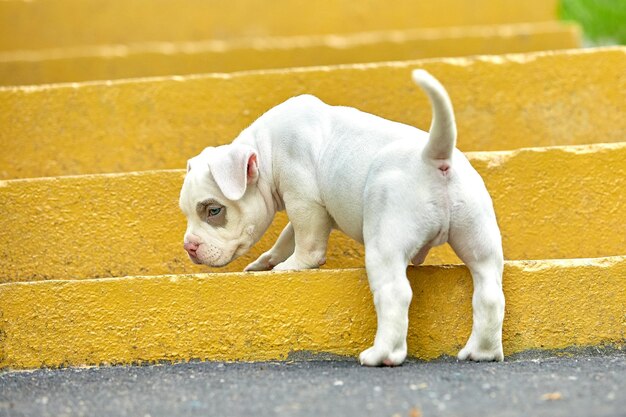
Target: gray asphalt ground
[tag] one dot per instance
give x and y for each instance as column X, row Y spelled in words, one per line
column 587, row 384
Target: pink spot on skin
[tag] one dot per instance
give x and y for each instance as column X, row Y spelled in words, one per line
column 388, row 362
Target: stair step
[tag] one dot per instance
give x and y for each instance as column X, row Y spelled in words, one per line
column 501, row 102
column 168, row 58
column 551, row 304
column 559, row 202
column 27, row 24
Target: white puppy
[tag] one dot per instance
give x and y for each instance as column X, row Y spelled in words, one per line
column 395, row 188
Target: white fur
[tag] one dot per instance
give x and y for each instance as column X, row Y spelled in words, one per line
column 383, row 183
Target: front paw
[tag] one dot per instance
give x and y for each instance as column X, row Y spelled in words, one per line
column 377, row 357
column 289, row 265
column 263, row 263
column 295, row 264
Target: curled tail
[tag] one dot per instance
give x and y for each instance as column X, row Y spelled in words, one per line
column 442, row 136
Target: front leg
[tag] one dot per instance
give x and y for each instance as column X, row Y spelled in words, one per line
column 281, row 250
column 311, row 225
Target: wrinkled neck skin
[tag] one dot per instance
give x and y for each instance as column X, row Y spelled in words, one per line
column 258, row 138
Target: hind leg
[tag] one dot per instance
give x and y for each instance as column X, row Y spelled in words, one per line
column 386, row 272
column 393, row 235
column 476, row 240
column 421, row 255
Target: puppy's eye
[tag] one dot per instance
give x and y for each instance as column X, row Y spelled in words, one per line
column 214, row 211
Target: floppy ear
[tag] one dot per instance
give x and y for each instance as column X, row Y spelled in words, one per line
column 234, row 167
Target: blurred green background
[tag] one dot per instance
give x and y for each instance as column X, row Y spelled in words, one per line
column 603, row 21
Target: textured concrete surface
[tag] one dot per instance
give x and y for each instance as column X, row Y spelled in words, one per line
column 561, row 202
column 28, row 24
column 264, row 316
column 168, row 58
column 581, row 385
column 501, row 102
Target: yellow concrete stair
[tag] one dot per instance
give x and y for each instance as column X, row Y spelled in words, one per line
column 261, row 316
column 58, row 234
column 168, row 58
column 501, row 102
column 560, row 202
column 35, row 24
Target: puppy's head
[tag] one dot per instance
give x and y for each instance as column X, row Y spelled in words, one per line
column 226, row 213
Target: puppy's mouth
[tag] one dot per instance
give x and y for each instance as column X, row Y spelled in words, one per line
column 195, row 260
column 239, row 250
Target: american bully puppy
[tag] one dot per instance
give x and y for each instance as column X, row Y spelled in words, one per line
column 397, row 189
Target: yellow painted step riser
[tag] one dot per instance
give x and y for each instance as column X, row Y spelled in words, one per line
column 26, row 24
column 550, row 202
column 126, row 61
column 264, row 316
column 501, row 102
